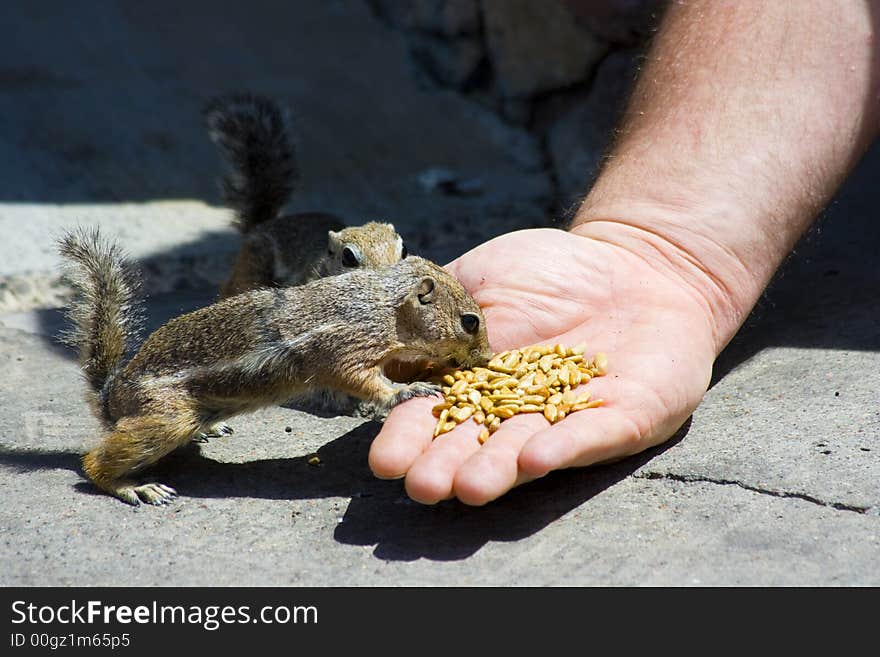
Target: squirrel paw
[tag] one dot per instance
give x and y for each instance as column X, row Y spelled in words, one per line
column 216, row 431
column 415, row 389
column 157, row 494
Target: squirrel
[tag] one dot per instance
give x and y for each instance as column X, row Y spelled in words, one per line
column 277, row 250
column 249, row 351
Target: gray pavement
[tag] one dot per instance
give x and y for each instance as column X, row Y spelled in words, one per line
column 773, row 481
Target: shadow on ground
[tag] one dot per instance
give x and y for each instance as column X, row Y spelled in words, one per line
column 379, row 512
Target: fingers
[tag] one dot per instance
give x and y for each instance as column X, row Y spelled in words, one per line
column 493, row 470
column 581, row 439
column 407, row 432
column 430, row 479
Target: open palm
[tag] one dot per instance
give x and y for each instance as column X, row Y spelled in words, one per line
column 547, row 286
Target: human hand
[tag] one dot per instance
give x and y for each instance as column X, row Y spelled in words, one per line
column 547, row 286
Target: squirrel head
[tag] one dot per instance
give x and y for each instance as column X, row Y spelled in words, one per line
column 371, row 245
column 439, row 319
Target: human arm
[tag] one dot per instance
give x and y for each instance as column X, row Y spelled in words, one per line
column 745, row 120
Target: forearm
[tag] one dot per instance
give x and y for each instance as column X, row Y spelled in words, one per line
column 746, row 118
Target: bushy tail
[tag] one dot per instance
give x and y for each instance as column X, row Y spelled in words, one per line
column 251, row 131
column 105, row 314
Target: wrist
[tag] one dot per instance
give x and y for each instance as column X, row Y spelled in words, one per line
column 725, row 284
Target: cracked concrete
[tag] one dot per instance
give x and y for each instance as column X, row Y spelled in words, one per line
column 773, row 481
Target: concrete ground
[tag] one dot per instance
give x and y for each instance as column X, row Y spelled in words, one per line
column 774, row 481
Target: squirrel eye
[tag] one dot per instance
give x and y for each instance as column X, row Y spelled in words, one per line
column 403, row 251
column 470, row 323
column 349, row 259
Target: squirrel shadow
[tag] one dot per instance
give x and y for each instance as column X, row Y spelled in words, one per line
column 379, row 512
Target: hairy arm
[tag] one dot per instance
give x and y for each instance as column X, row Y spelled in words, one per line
column 744, row 121
column 746, row 118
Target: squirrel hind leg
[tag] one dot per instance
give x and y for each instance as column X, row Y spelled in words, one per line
column 136, row 443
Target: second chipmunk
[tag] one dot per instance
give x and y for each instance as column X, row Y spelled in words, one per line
column 278, row 250
column 250, row 351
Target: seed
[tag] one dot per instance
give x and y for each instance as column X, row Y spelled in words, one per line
column 601, row 361
column 484, row 435
column 440, row 408
column 512, row 360
column 563, row 376
column 461, row 414
column 497, row 361
column 537, row 379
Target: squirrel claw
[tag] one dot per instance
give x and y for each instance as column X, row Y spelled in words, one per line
column 416, row 389
column 157, row 494
column 216, row 431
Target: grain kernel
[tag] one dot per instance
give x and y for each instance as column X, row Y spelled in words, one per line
column 484, row 435
column 546, row 363
column 461, row 414
column 537, row 379
column 439, row 408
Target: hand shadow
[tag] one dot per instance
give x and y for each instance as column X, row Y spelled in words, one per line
column 379, row 512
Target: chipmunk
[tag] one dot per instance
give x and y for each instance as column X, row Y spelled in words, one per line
column 251, row 132
column 252, row 350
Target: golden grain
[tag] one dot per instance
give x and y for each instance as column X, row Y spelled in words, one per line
column 539, row 379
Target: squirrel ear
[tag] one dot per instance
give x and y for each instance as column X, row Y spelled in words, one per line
column 426, row 290
column 333, row 239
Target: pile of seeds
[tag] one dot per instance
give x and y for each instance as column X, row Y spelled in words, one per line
column 529, row 380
